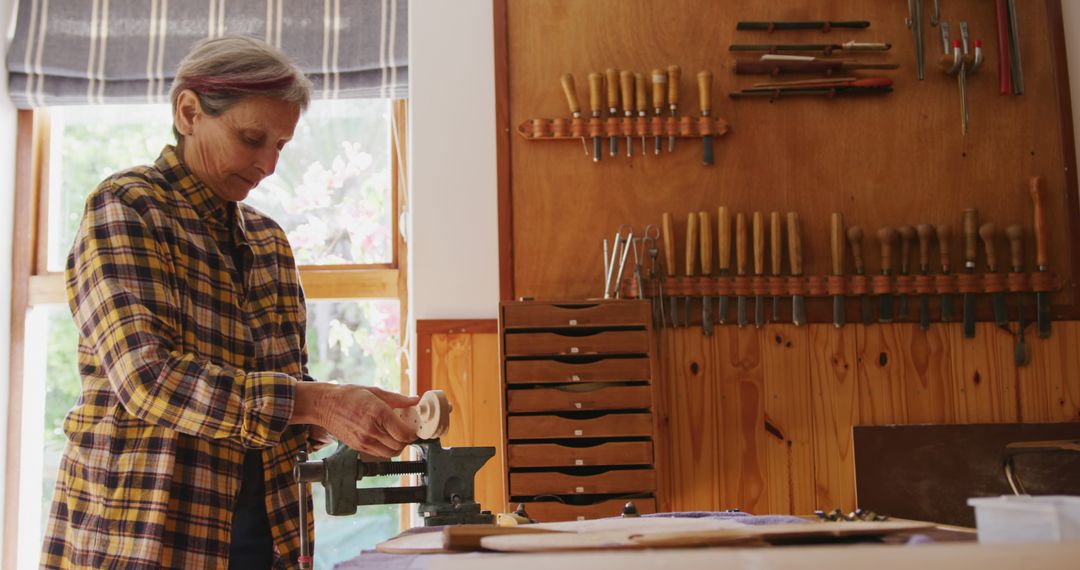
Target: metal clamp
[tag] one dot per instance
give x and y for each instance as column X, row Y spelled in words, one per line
column 1028, row 447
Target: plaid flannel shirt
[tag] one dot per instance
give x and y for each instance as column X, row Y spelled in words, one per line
column 182, row 371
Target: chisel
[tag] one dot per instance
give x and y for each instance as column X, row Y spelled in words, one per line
column 988, row 233
column 836, row 249
column 824, row 26
column 1042, row 298
column 907, row 237
column 855, row 237
column 886, row 238
column 659, row 100
column 759, row 267
column 740, row 264
column 851, row 46
column 777, row 64
column 575, row 107
column 706, row 271
column 612, row 84
column 926, row 235
column 723, row 242
column 669, row 256
column 944, row 236
column 640, row 88
column 971, row 248
column 674, row 73
column 798, row 308
column 596, row 88
column 691, row 261
column 704, row 80
column 776, row 248
column 626, row 85
column 1015, row 234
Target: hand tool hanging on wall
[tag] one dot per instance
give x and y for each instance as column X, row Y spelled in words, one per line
column 626, row 83
column 669, row 256
column 836, row 248
column 798, row 308
column 886, row 238
column 704, row 80
column 659, row 101
column 610, row 262
column 907, row 237
column 723, row 242
column 652, row 233
column 627, row 244
column 855, row 237
column 926, row 235
column 1016, row 69
column 944, row 237
column 640, row 88
column 691, row 260
column 1037, row 188
column 674, row 73
column 1015, row 234
column 596, row 88
column 575, row 107
column 824, row 26
column 639, row 279
column 961, row 63
column 759, row 267
column 867, row 86
column 706, row 271
column 1001, row 11
column 827, row 49
column 988, row 233
column 914, row 22
column 612, row 84
column 971, row 248
column 935, row 16
column 773, row 64
column 776, row 248
column 740, row 265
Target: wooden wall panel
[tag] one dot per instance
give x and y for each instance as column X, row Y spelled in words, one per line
column 696, row 421
column 741, row 408
column 789, row 421
column 833, row 378
column 1049, row 387
column 984, row 382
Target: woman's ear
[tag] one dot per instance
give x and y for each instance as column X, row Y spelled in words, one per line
column 188, row 108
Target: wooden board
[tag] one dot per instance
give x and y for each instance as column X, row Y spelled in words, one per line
column 833, row 378
column 788, row 422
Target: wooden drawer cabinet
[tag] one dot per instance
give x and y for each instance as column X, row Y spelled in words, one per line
column 578, row 383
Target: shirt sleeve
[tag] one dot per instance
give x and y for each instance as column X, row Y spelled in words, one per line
column 120, row 288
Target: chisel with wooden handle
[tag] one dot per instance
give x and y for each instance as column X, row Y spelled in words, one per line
column 823, row 25
column 596, row 89
column 776, row 248
column 944, row 238
column 759, row 266
column 798, row 307
column 851, row 46
column 669, row 268
column 691, row 259
column 1037, row 188
column 704, row 79
column 575, row 106
column 612, row 83
column 926, row 235
column 740, row 264
column 674, row 73
column 706, row 271
column 723, row 242
column 802, row 64
column 855, row 237
column 659, row 99
column 886, row 238
column 836, row 243
column 971, row 248
column 626, row 85
column 988, row 233
column 640, row 88
column 1015, row 234
column 907, row 237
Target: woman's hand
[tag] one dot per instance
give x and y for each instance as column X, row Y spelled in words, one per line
column 361, row 417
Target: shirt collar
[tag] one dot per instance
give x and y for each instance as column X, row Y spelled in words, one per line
column 209, row 206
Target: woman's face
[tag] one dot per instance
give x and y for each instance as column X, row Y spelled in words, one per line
column 232, row 152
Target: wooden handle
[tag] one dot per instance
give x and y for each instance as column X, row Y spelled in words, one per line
column 640, row 87
column 971, row 239
column 1015, row 234
column 988, row 233
column 854, row 237
column 612, row 84
column 723, row 237
column 669, row 244
column 1038, row 199
column 704, row 85
column 794, row 240
column 674, row 72
column 596, row 90
column 836, row 241
column 776, row 246
column 659, row 88
column 740, row 244
column 571, row 94
column 691, row 243
column 944, row 236
column 706, row 243
column 926, row 235
column 886, row 237
column 759, row 243
column 626, row 82
column 907, row 236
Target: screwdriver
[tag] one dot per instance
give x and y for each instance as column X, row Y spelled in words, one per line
column 596, row 86
column 626, row 82
column 640, row 88
column 705, row 95
column 612, row 75
column 572, row 100
column 759, row 266
column 659, row 98
column 674, row 73
column 776, row 249
column 669, row 255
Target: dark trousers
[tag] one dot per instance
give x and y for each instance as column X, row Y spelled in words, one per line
column 252, row 546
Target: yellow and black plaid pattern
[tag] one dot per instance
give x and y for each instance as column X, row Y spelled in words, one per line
column 182, row 370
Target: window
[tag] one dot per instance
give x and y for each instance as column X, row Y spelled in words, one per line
column 336, row 193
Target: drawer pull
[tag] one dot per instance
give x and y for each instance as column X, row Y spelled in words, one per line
column 573, row 322
column 579, row 462
column 580, row 517
column 574, row 350
column 575, row 378
column 578, row 432
column 577, row 405
column 579, row 489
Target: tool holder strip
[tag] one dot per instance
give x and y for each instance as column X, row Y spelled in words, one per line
column 836, row 285
column 859, row 285
column 1019, row 282
column 904, row 284
column 945, row 284
column 969, row 283
column 561, row 128
column 881, row 284
column 758, row 286
column 995, row 282
column 777, row 286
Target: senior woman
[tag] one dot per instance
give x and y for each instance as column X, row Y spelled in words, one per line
column 195, row 394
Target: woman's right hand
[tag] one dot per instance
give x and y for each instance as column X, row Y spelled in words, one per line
column 361, row 417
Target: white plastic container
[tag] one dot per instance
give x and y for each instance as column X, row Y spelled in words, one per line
column 1026, row 518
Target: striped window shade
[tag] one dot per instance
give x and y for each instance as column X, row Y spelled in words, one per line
column 126, row 51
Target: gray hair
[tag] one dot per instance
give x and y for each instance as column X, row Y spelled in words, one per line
column 224, row 71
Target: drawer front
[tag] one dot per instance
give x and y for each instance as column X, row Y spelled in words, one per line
column 611, row 425
column 551, row 511
column 608, row 342
column 552, row 483
column 603, row 370
column 554, row 455
column 605, row 314
column 567, row 398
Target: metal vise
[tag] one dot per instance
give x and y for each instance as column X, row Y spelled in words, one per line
column 446, row 496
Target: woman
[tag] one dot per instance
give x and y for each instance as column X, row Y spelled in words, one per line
column 196, row 399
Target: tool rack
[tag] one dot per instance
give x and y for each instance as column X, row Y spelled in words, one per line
column 562, row 128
